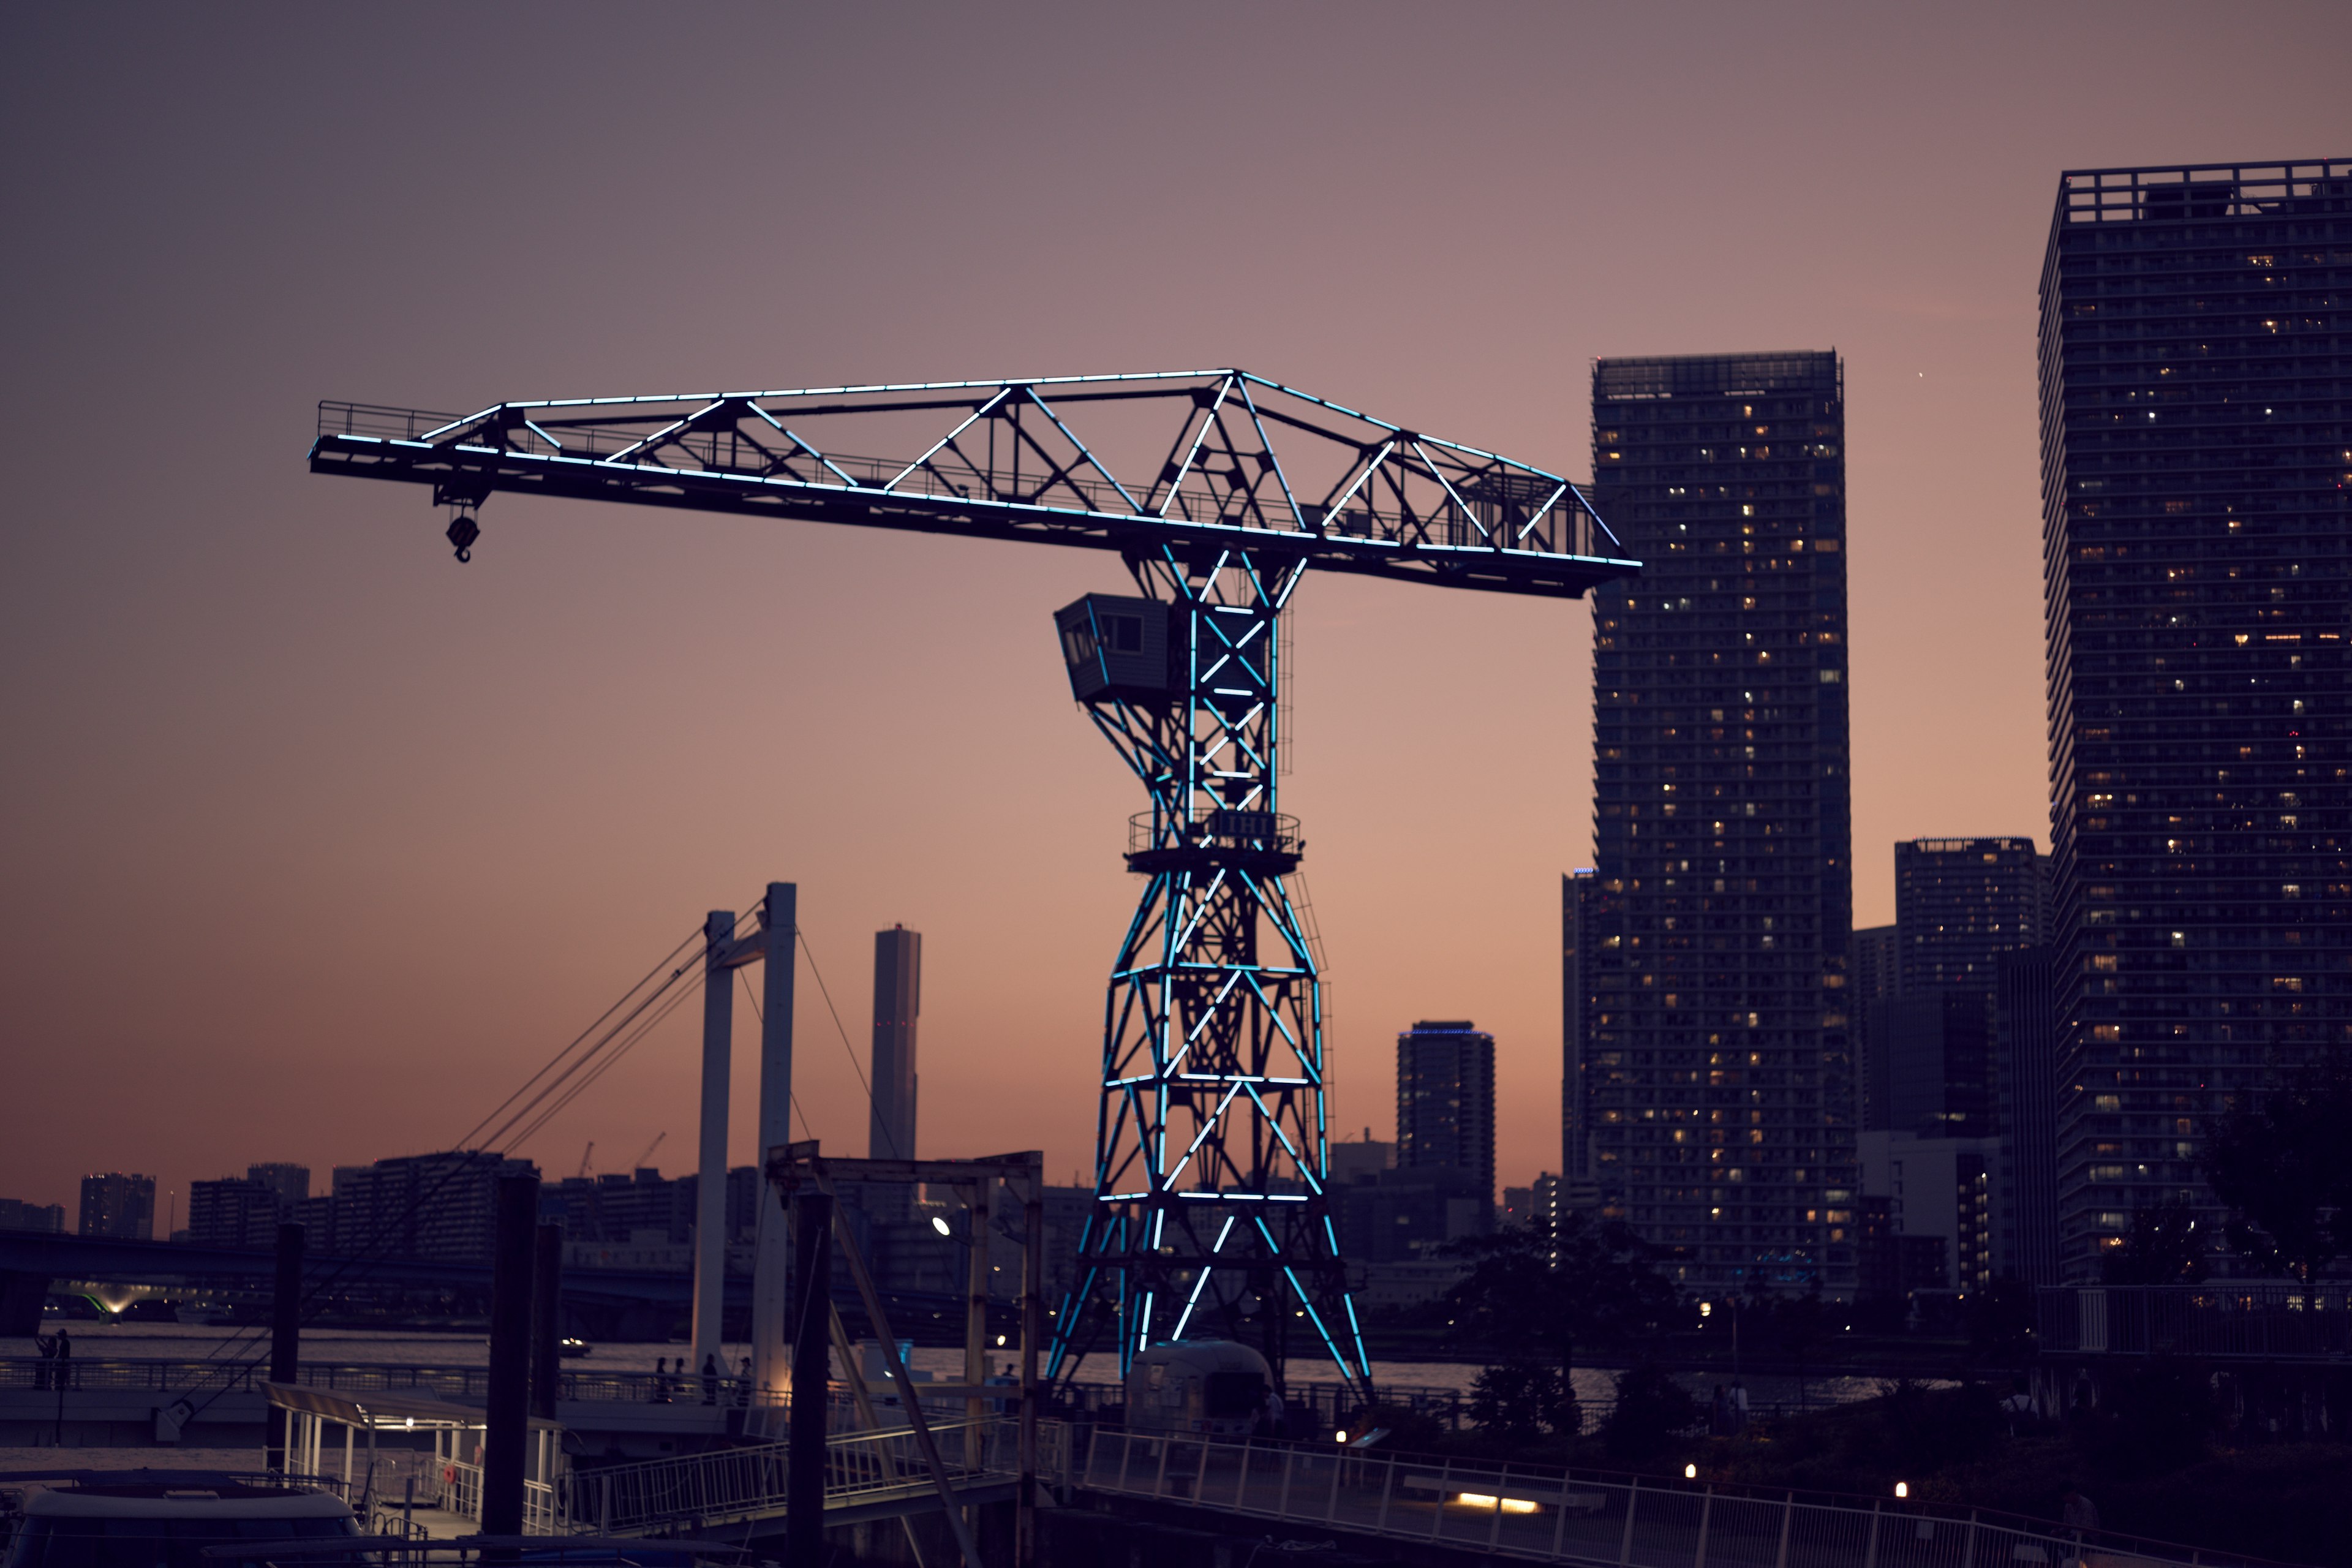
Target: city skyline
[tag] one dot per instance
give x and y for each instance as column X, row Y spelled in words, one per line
column 413, row 825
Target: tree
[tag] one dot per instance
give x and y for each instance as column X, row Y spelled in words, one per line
column 2166, row 1246
column 1798, row 1323
column 2276, row 1160
column 1534, row 1287
column 1651, row 1410
column 1523, row 1399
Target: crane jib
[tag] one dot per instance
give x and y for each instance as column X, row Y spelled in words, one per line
column 1247, row 465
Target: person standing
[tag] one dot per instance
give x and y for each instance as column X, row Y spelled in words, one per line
column 65, row 1358
column 2077, row 1513
column 711, row 1379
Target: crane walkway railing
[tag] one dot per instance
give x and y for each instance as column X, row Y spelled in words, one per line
column 1620, row 1522
column 735, row 1486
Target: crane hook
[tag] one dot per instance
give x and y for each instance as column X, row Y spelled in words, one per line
column 463, row 531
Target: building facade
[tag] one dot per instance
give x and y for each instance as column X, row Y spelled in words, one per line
column 17, row 1214
column 118, row 1207
column 236, row 1211
column 440, row 1208
column 1445, row 1101
column 1957, row 902
column 1877, row 964
column 2196, row 519
column 2025, row 1091
column 1716, row 1062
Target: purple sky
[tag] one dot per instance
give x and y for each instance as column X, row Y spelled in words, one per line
column 316, row 843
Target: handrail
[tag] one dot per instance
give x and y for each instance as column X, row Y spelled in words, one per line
column 1557, row 1515
column 733, row 1485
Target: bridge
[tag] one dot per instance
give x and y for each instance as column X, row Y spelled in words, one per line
column 1531, row 1513
column 32, row 1264
column 1546, row 1514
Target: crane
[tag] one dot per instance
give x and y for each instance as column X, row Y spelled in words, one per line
column 586, row 1155
column 1219, row 490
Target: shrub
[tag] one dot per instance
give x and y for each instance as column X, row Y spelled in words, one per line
column 1651, row 1409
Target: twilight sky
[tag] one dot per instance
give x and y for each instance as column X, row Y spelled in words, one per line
column 314, row 843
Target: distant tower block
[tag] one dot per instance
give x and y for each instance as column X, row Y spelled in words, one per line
column 897, row 999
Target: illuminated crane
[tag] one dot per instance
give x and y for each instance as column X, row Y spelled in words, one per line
column 1220, row 491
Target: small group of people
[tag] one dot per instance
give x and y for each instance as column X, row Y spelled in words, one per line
column 669, row 1385
column 57, row 1350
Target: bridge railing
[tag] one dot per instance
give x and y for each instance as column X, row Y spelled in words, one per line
column 447, row 1381
column 544, row 1507
column 1558, row 1516
column 737, row 1484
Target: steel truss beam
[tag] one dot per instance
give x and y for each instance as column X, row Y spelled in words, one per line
column 1237, row 462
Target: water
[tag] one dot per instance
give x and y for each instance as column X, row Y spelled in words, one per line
column 394, row 1347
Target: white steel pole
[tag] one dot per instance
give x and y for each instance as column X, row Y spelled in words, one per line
column 772, row 1256
column 711, row 1190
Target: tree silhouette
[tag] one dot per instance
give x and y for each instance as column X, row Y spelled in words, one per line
column 2276, row 1159
column 1586, row 1283
column 2166, row 1246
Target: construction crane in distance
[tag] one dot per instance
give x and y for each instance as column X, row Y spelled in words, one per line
column 1219, row 491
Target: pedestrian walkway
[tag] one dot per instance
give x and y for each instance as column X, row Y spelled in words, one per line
column 1548, row 1515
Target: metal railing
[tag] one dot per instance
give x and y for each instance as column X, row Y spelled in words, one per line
column 445, row 1382
column 1559, row 1516
column 2272, row 1322
column 735, row 1485
column 543, row 1505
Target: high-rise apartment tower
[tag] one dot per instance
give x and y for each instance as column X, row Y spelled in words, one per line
column 1445, row 1101
column 1958, row 901
column 1714, row 1053
column 897, row 999
column 2196, row 512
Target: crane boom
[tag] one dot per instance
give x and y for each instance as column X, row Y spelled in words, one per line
column 1129, row 463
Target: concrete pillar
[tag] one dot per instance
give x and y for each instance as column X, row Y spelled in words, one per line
column 771, row 1289
column 506, row 1415
column 710, row 1192
column 285, row 1334
column 812, row 1351
column 546, row 1319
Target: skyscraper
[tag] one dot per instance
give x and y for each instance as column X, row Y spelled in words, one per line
column 897, row 998
column 1926, row 1047
column 1958, row 901
column 1715, row 1058
column 1877, row 964
column 118, row 1207
column 1445, row 1101
column 2196, row 510
column 2025, row 1074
